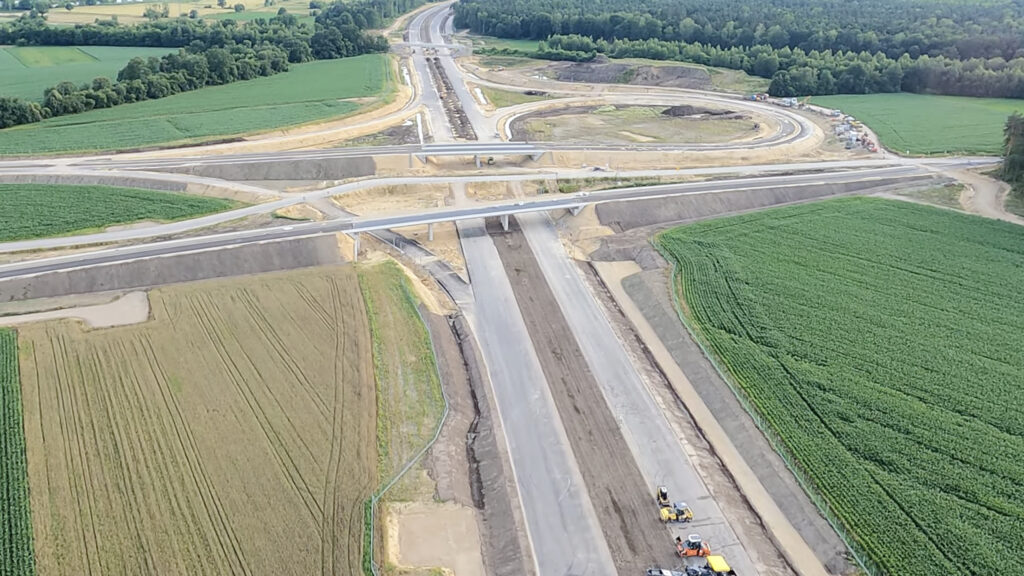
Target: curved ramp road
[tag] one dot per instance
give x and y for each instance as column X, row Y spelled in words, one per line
column 563, row 530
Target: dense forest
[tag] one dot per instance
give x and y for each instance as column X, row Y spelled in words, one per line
column 804, row 46
column 212, row 53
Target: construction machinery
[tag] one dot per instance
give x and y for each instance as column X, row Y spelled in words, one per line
column 757, row 97
column 678, row 512
column 715, row 566
column 663, row 572
column 661, row 495
column 693, row 546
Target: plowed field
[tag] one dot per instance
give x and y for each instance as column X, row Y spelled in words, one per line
column 232, row 434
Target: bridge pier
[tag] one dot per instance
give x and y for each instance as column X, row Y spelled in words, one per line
column 476, row 160
column 430, row 232
column 575, row 210
column 355, row 245
column 504, row 222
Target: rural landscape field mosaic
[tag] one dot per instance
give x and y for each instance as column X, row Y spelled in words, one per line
column 881, row 343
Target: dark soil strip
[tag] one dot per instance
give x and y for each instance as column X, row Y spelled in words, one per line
column 623, row 501
column 502, row 552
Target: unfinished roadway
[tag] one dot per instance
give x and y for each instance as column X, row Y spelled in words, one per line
column 586, row 438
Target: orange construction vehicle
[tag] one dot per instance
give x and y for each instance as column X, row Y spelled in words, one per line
column 692, row 546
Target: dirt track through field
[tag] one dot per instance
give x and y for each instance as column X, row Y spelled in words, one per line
column 624, row 503
column 232, row 434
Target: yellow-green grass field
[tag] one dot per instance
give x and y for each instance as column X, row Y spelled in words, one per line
column 27, row 71
column 929, row 124
column 307, row 93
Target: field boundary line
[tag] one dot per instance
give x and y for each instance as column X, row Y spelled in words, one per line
column 858, row 555
column 371, row 504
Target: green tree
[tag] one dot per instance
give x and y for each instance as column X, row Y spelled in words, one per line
column 1013, row 150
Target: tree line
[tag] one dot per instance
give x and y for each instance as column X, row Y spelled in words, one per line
column 957, row 29
column 211, row 54
column 797, row 73
column 1012, row 169
column 822, row 52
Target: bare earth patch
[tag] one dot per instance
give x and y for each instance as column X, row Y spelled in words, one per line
column 132, row 308
column 432, row 535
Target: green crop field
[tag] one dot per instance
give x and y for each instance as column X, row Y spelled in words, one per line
column 41, row 210
column 306, row 93
column 15, row 524
column 29, row 70
column 927, row 124
column 882, row 345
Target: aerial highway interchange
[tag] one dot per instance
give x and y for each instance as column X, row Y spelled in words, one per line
column 563, row 529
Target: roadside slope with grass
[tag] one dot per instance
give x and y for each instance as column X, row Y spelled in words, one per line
column 307, row 93
column 43, row 210
column 879, row 344
column 410, row 404
column 929, row 124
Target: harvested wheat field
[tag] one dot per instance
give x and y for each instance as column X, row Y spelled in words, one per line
column 234, row 433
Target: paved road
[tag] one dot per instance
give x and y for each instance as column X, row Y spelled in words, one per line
column 477, row 210
column 560, row 520
column 561, row 523
column 658, row 453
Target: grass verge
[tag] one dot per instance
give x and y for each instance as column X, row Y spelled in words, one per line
column 874, row 341
column 947, row 196
column 410, row 403
column 16, row 554
column 502, row 98
column 309, row 92
column 924, row 124
column 42, row 210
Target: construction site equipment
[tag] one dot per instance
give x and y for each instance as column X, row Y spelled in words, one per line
column 663, row 572
column 803, row 103
column 715, row 566
column 678, row 512
column 757, row 97
column 661, row 495
column 692, row 546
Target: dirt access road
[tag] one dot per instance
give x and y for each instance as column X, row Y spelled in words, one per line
column 623, row 502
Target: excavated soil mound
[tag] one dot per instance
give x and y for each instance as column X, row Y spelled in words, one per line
column 687, row 110
column 602, row 72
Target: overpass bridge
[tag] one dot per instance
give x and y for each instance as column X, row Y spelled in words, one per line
column 479, row 149
column 354, row 226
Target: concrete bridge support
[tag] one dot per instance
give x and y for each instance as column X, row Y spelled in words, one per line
column 355, row 245
column 504, row 222
column 430, row 232
column 575, row 210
